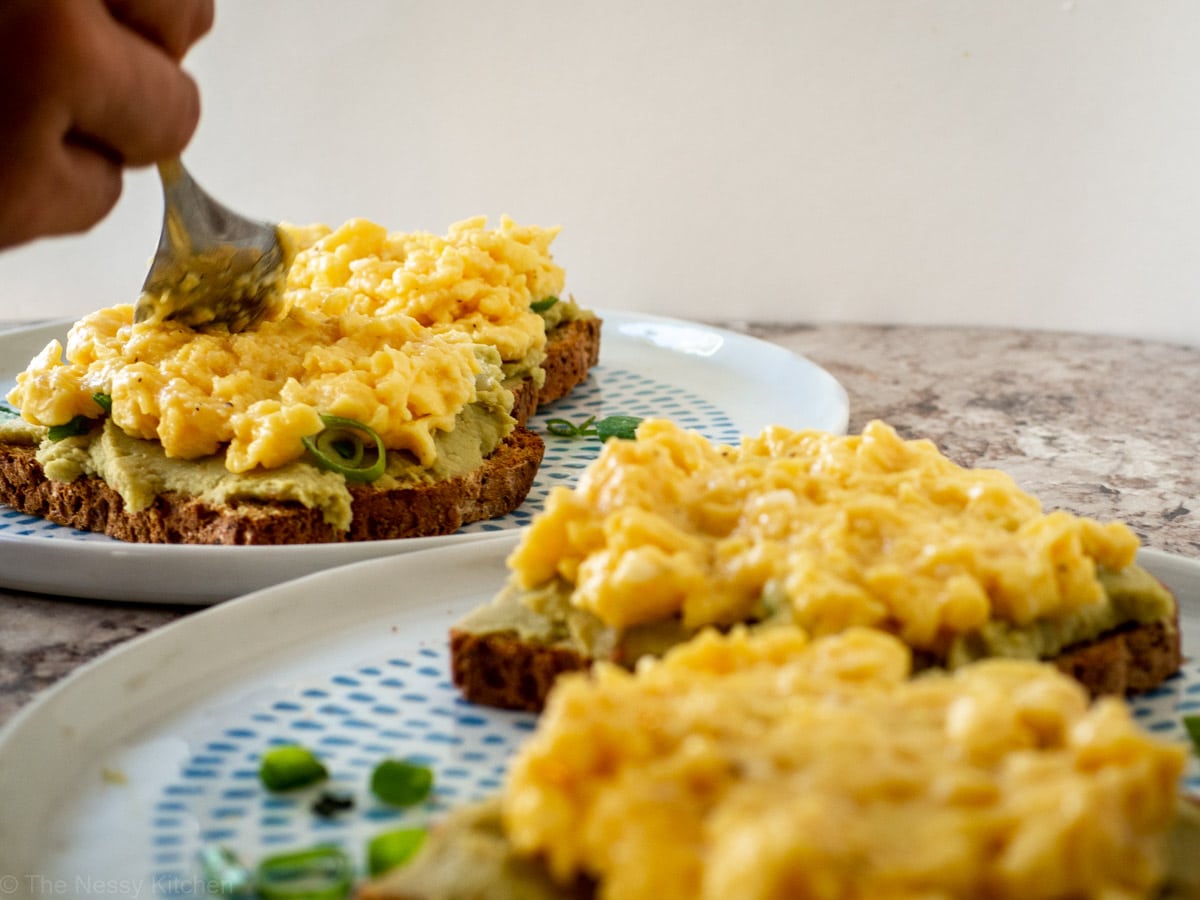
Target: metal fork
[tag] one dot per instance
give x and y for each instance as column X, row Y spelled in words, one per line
column 213, row 267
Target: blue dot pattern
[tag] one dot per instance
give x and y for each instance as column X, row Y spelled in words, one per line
column 607, row 391
column 403, row 707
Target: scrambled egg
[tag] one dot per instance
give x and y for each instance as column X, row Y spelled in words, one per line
column 823, row 531
column 474, row 279
column 397, row 331
column 261, row 391
column 767, row 767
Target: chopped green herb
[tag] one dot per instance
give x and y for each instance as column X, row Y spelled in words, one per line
column 78, row 425
column 341, row 448
column 1192, row 725
column 291, row 766
column 322, row 873
column 401, row 783
column 330, row 803
column 540, row 306
column 6, row 410
column 224, row 874
column 393, row 848
column 623, row 427
column 567, row 428
column 103, row 400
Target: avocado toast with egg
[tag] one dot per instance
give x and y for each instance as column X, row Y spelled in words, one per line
column 667, row 535
column 767, row 764
column 344, row 417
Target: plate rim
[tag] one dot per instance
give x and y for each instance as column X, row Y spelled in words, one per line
column 255, row 612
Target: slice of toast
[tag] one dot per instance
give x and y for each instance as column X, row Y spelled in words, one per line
column 572, row 349
column 430, row 508
column 421, row 510
column 501, row 669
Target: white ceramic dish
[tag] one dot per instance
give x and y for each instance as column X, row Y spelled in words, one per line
column 157, row 742
column 721, row 383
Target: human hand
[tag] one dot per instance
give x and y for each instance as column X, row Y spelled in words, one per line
column 89, row 87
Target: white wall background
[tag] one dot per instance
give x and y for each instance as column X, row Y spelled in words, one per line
column 1000, row 162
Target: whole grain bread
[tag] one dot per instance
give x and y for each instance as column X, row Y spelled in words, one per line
column 421, row 510
column 572, row 349
column 500, row 669
column 432, row 508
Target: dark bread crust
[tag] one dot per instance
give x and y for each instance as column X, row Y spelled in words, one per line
column 1131, row 660
column 572, row 349
column 501, row 670
column 434, row 508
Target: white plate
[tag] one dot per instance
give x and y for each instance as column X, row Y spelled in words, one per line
column 158, row 741
column 718, row 382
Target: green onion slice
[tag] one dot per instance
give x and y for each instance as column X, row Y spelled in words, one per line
column 103, row 400
column 341, row 448
column 224, row 873
column 567, row 428
column 393, row 848
column 1192, row 725
column 623, row 427
column 401, row 783
column 540, row 306
column 78, row 425
column 290, row 766
column 322, row 873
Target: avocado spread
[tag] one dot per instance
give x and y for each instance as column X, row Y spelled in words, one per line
column 546, row 615
column 530, row 365
column 139, row 470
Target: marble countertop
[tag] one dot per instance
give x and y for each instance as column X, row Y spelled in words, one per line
column 1102, row 426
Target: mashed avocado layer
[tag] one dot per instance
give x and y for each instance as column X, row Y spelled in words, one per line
column 1132, row 596
column 546, row 615
column 139, row 470
column 530, row 366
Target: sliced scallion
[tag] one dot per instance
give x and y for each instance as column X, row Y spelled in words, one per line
column 623, row 427
column 224, row 873
column 567, row 428
column 290, row 766
column 1191, row 724
column 401, row 783
column 540, row 306
column 393, row 848
column 78, row 425
column 103, row 400
column 341, row 448
column 322, row 873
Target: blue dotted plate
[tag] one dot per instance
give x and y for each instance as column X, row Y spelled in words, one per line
column 718, row 383
column 159, row 741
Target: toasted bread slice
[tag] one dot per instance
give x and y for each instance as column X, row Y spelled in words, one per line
column 572, row 349
column 422, row 510
column 433, row 508
column 501, row 669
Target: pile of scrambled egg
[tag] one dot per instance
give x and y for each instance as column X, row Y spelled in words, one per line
column 475, row 279
column 397, row 331
column 820, row 530
column 769, row 767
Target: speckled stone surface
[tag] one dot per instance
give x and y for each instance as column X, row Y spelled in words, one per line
column 1102, row 426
